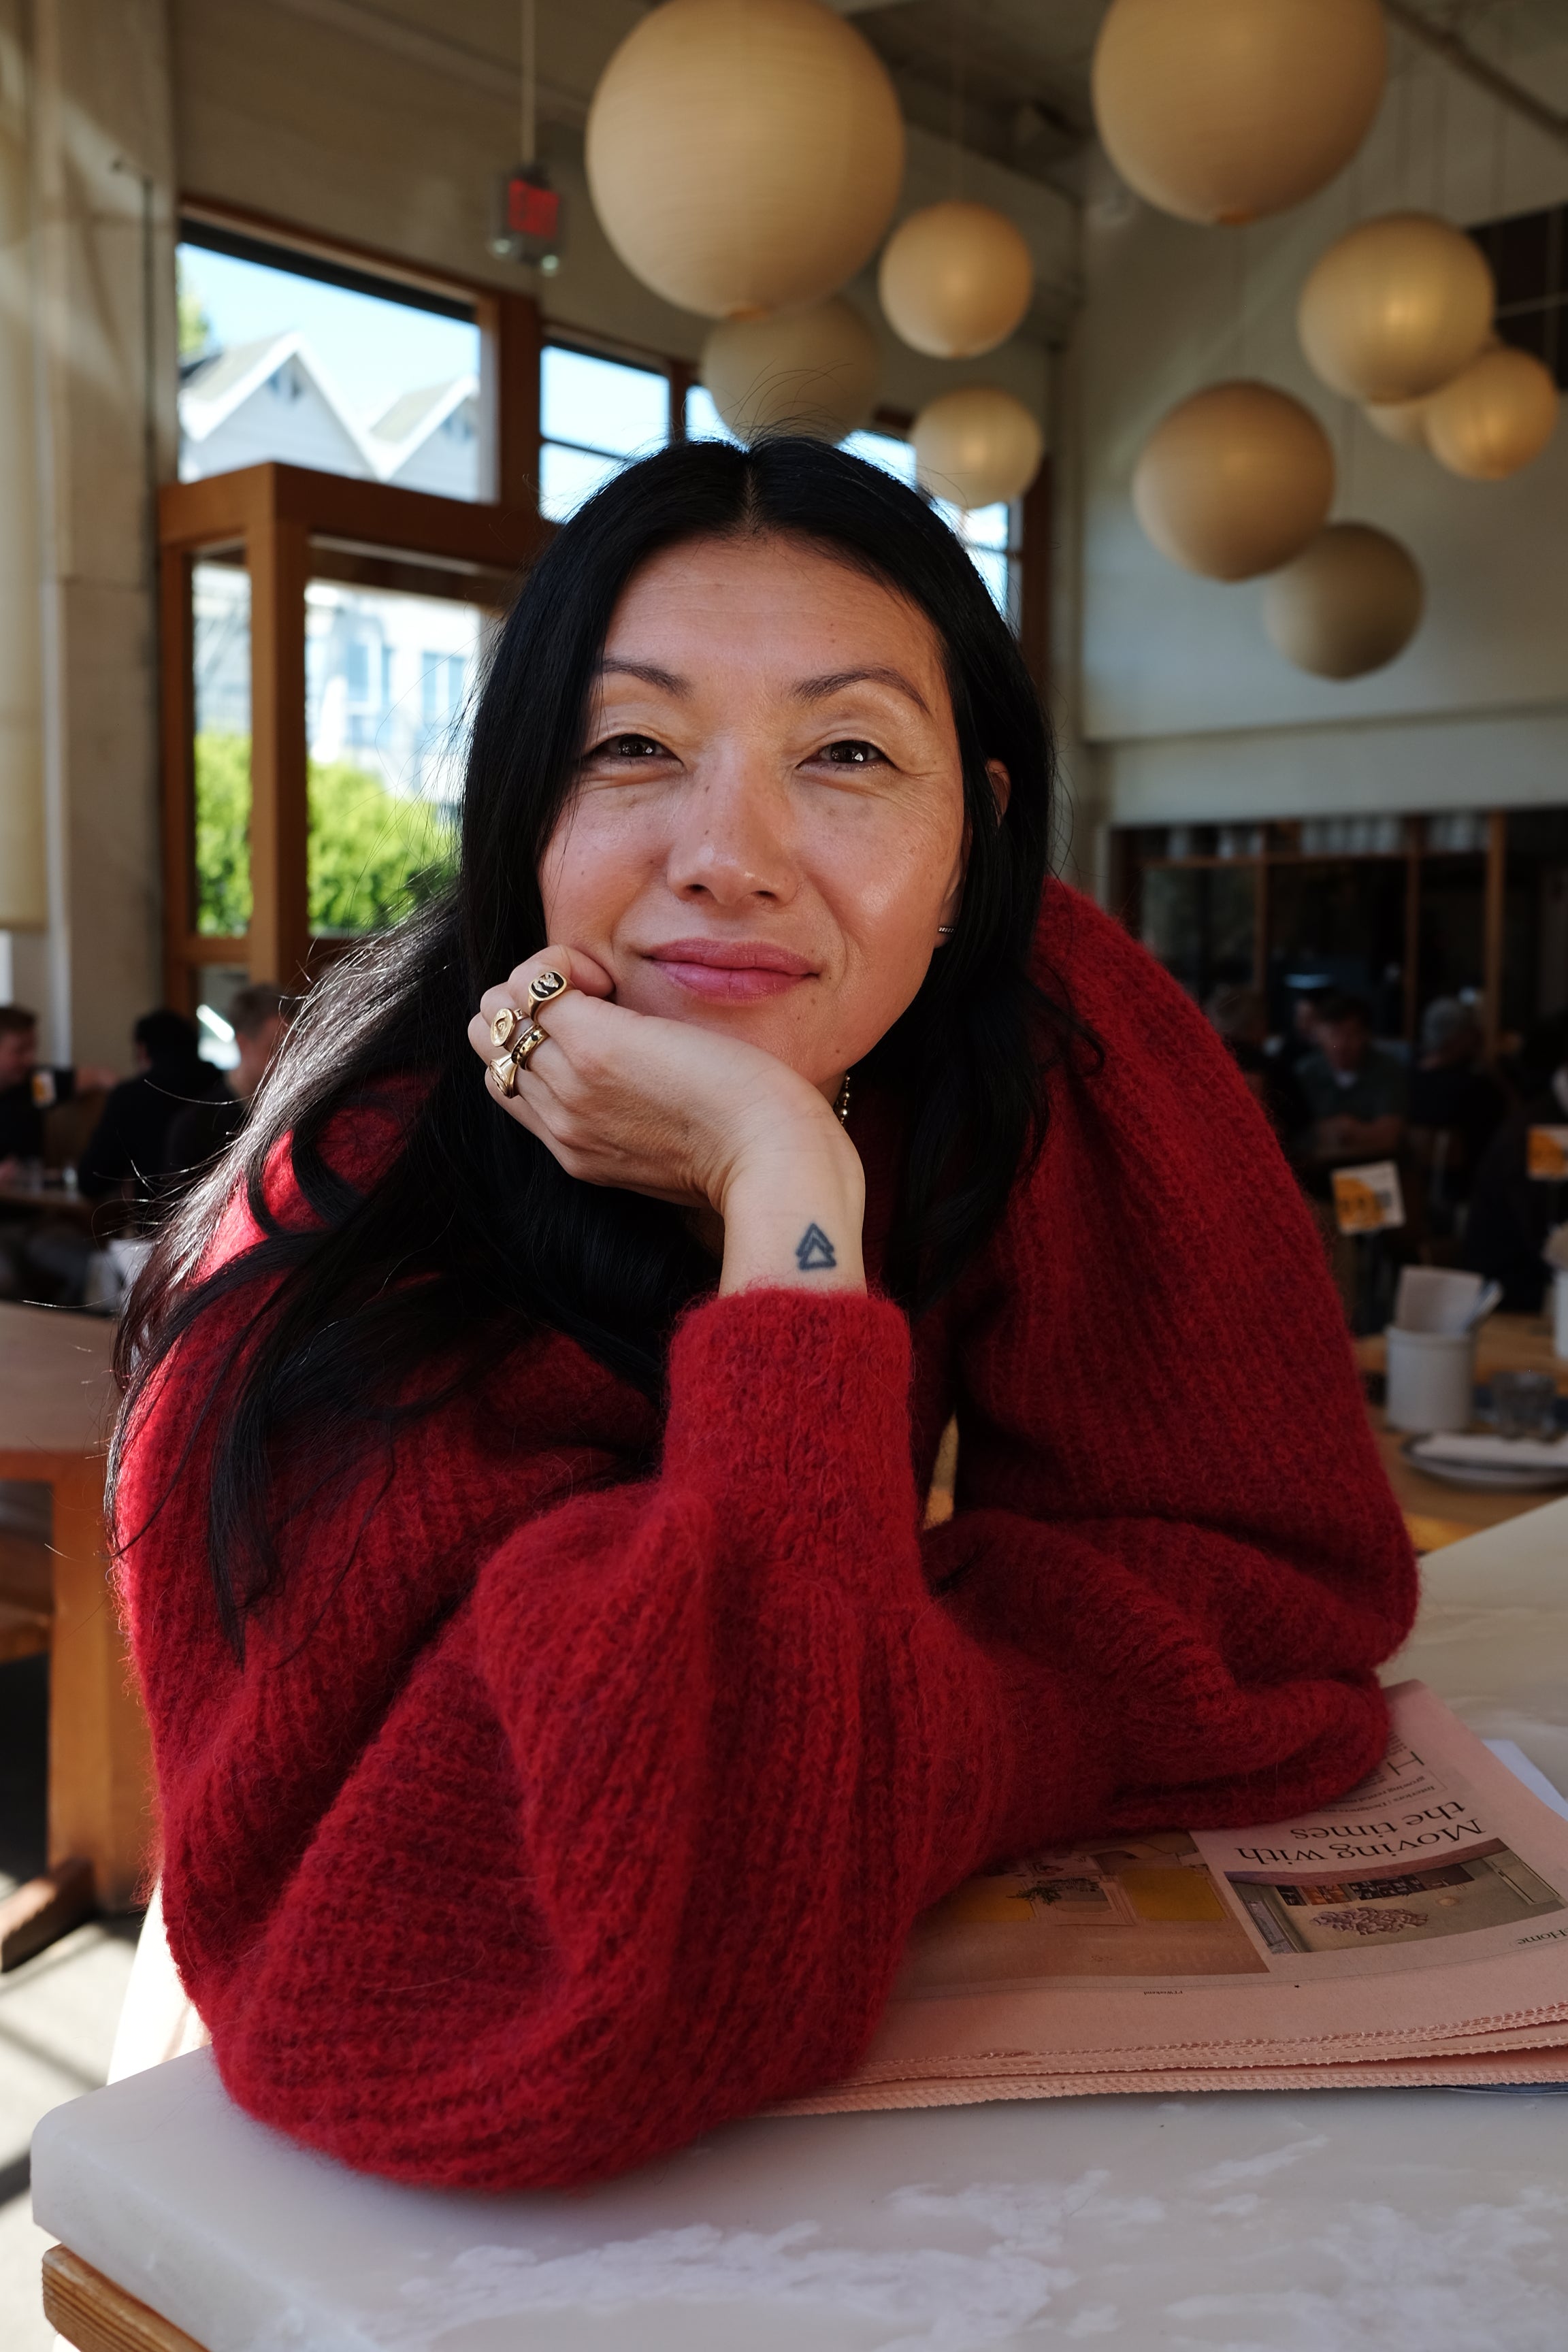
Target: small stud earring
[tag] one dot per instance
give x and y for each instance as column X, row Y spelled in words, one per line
column 946, row 931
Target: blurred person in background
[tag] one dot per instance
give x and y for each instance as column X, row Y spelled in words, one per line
column 1240, row 1016
column 126, row 1153
column 1451, row 1094
column 1301, row 1036
column 261, row 1015
column 1511, row 1212
column 26, row 1092
column 1355, row 1093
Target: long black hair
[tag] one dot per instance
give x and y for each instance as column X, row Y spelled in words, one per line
column 373, row 1309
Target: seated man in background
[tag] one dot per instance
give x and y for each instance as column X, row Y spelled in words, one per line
column 1511, row 1212
column 26, row 1092
column 1355, row 1094
column 125, row 1155
column 260, row 1014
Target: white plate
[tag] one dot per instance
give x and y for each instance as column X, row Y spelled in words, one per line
column 1525, row 1480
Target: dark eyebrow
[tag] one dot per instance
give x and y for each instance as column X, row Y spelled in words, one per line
column 649, row 673
column 817, row 689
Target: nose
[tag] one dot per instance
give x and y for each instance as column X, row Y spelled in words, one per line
column 734, row 840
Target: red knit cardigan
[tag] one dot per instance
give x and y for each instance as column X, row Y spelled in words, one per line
column 559, row 1811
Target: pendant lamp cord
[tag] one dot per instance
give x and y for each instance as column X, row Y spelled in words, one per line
column 530, row 80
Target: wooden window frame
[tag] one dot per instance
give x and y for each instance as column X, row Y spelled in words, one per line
column 289, row 526
column 275, row 519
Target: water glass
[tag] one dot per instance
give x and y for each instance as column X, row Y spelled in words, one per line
column 1525, row 1404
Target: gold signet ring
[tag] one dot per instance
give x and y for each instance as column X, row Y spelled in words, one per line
column 544, row 987
column 502, row 1024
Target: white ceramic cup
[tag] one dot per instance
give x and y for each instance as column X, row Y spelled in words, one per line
column 1431, row 1377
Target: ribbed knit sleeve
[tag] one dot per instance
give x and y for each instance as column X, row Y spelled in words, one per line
column 1166, row 1465
column 631, row 1844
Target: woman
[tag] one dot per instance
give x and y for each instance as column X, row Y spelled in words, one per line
column 560, row 1717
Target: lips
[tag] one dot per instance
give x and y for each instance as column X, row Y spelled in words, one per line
column 738, row 971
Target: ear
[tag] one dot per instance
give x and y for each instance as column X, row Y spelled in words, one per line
column 1001, row 785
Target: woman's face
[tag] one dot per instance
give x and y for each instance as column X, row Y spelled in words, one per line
column 768, row 824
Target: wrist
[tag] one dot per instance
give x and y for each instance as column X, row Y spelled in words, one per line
column 792, row 1216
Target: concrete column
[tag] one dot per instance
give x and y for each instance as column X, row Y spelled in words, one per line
column 24, row 889
column 103, row 183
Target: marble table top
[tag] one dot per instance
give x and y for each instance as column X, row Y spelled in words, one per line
column 1329, row 2222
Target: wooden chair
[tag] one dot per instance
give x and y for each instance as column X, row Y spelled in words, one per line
column 68, row 1127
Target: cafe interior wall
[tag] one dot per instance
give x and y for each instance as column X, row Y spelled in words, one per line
column 87, row 402
column 382, row 125
column 1183, row 710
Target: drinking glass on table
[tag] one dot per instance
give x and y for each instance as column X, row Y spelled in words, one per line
column 1525, row 1404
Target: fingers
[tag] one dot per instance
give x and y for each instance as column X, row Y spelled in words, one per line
column 581, row 972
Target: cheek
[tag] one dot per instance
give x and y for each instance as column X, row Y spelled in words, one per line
column 597, row 861
column 886, row 872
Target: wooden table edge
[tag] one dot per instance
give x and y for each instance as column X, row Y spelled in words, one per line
column 91, row 2311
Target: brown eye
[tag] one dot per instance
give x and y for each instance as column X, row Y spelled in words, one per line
column 629, row 747
column 852, row 753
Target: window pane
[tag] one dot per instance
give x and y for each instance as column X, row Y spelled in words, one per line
column 387, row 684
column 276, row 366
column 995, row 569
column 885, row 450
column 220, row 611
column 600, row 405
column 981, row 526
column 703, row 422
column 567, row 477
column 217, row 985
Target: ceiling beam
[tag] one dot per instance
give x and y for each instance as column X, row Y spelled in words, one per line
column 1469, row 62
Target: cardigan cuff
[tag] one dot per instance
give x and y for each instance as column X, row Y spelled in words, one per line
column 789, row 1411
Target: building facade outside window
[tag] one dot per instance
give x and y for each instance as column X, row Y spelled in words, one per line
column 280, row 361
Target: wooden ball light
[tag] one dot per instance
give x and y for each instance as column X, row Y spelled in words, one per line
column 975, row 446
column 744, row 155
column 1234, row 481
column 812, row 371
column 955, row 279
column 1221, row 110
column 1395, row 307
column 1494, row 417
column 1348, row 602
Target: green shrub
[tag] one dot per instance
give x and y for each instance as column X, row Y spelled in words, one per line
column 372, row 855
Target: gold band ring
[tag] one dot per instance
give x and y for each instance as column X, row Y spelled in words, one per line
column 506, row 1068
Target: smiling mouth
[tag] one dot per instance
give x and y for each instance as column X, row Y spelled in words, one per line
column 738, row 971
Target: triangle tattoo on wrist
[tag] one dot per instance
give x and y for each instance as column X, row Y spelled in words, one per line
column 814, row 1250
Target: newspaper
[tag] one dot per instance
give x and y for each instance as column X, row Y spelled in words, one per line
column 1414, row 1931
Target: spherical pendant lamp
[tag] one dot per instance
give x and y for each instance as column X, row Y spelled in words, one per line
column 811, row 372
column 976, row 445
column 1395, row 307
column 1494, row 417
column 1234, row 481
column 744, row 155
column 1220, row 110
column 955, row 279
column 1398, row 420
column 1348, row 602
